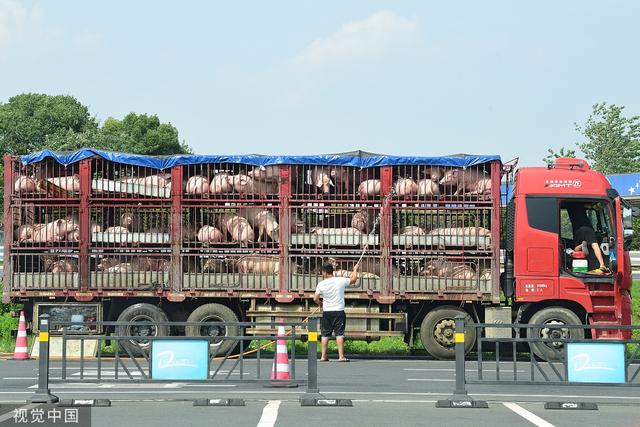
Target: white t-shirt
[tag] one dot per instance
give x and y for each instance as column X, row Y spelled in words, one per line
column 332, row 292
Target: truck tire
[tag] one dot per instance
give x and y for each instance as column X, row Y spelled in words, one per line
column 214, row 313
column 553, row 318
column 437, row 332
column 146, row 314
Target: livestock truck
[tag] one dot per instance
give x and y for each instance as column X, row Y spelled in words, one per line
column 95, row 235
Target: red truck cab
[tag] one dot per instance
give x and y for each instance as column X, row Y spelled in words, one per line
column 539, row 273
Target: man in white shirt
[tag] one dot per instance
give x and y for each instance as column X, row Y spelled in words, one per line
column 331, row 289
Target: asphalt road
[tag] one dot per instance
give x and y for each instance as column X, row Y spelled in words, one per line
column 384, row 392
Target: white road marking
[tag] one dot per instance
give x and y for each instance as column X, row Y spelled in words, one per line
column 9, row 415
column 269, row 414
column 430, row 369
column 20, row 378
column 453, row 370
column 442, row 380
column 529, row 416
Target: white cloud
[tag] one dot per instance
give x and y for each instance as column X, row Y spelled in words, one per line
column 369, row 38
column 383, row 36
column 20, row 24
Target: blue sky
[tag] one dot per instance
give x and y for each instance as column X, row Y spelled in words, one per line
column 396, row 77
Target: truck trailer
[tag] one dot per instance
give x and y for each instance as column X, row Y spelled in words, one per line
column 95, row 235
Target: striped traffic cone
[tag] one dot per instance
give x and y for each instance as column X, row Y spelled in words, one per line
column 21, row 352
column 280, row 370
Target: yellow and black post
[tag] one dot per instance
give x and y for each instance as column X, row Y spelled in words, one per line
column 43, row 394
column 460, row 398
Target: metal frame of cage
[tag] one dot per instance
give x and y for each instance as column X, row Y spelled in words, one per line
column 292, row 245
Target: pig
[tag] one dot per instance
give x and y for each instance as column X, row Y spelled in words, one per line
column 209, row 234
column 469, row 181
column 24, row 233
column 74, row 221
column 361, row 221
column 244, row 184
column 266, row 224
column 215, row 265
column 107, row 263
column 448, row 269
column 25, row 184
column 67, row 183
column 413, row 230
column 197, row 184
column 258, row 264
column 238, row 228
column 53, row 231
column 346, row 231
column 321, row 178
column 221, row 183
column 73, row 236
column 116, row 230
column 434, row 173
column 370, row 266
column 265, row 173
column 427, row 187
column 60, row 265
column 159, row 180
column 369, row 188
column 149, row 264
column 128, row 221
column 405, row 187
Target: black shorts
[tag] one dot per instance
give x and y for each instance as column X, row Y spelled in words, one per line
column 588, row 235
column 333, row 321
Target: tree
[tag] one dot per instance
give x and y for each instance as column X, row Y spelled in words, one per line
column 613, row 140
column 553, row 155
column 144, row 134
column 27, row 120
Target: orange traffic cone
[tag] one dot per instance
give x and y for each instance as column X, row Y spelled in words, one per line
column 21, row 352
column 280, row 370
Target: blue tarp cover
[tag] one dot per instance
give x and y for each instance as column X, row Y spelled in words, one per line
column 356, row 158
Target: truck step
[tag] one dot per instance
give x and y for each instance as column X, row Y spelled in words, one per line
column 604, row 309
column 602, row 293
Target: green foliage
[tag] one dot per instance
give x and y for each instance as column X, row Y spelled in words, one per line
column 553, row 155
column 28, row 119
column 613, row 140
column 144, row 134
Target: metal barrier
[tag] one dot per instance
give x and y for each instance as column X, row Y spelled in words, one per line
column 129, row 365
column 610, row 362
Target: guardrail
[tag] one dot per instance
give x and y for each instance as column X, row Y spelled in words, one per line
column 611, row 362
column 183, row 358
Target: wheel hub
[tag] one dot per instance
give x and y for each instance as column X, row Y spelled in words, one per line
column 553, row 330
column 444, row 332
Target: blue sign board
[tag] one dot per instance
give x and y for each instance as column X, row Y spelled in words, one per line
column 180, row 360
column 596, row 362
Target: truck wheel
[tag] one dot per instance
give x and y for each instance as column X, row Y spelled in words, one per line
column 553, row 318
column 214, row 313
column 437, row 332
column 141, row 317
